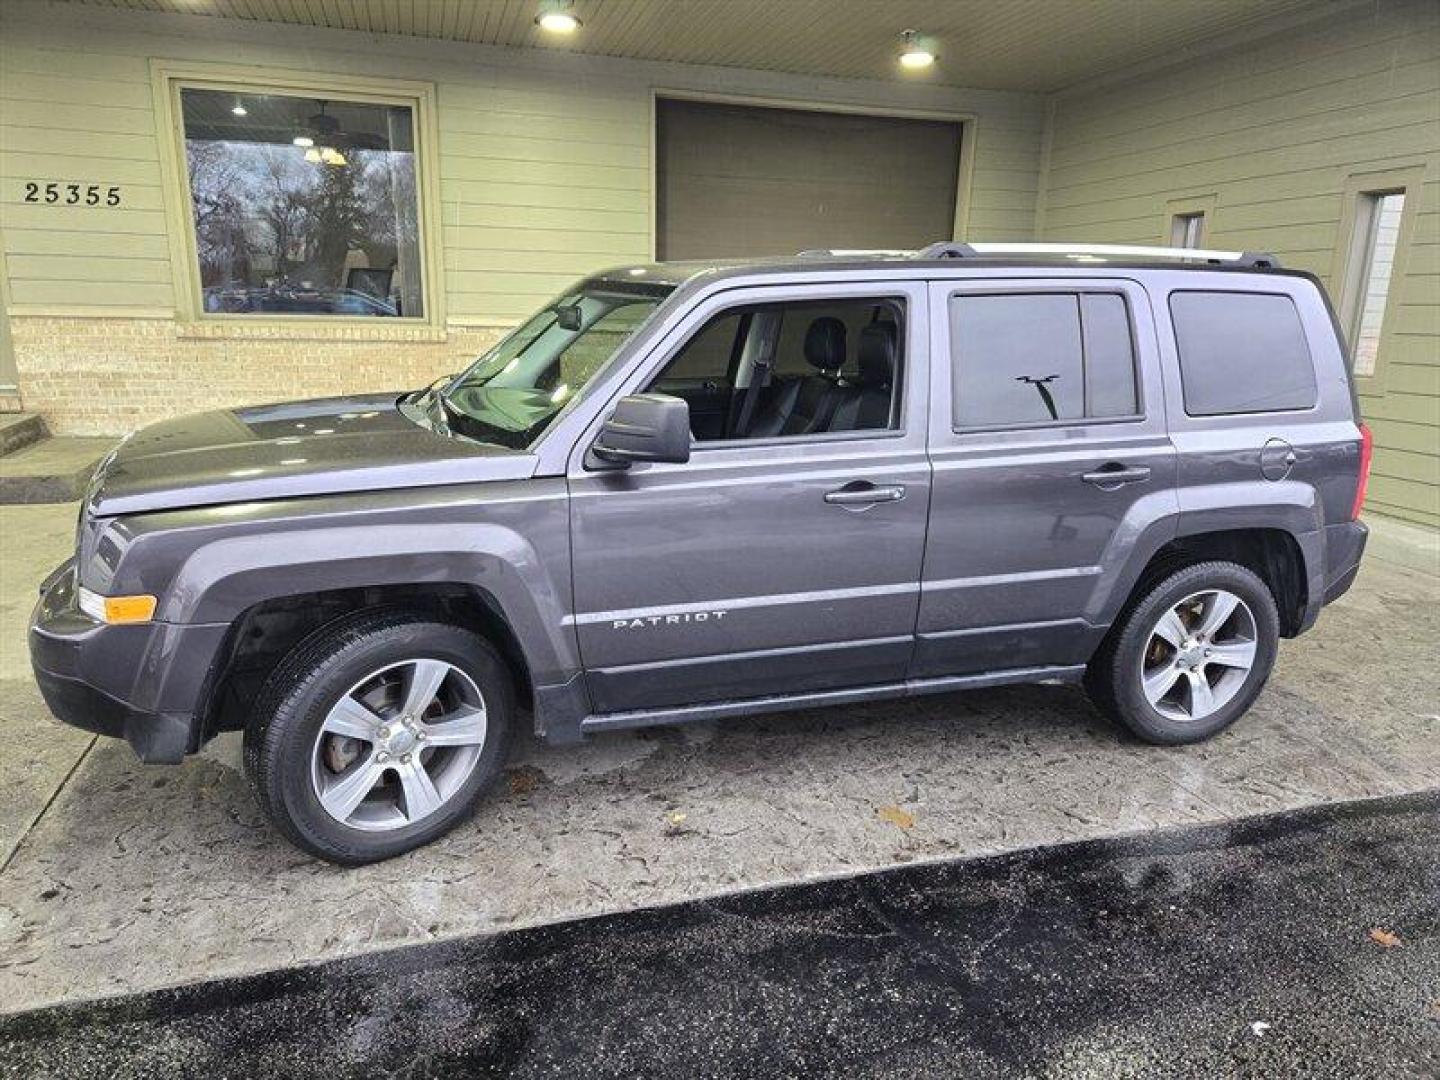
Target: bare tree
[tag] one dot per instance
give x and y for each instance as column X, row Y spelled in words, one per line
column 216, row 189
column 284, row 204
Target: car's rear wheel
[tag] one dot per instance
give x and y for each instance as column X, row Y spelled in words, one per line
column 378, row 734
column 1190, row 657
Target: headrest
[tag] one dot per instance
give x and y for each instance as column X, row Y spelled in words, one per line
column 825, row 343
column 877, row 354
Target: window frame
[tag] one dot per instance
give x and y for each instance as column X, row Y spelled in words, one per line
column 1348, row 279
column 168, row 79
column 1180, row 359
column 1136, row 367
column 566, row 443
column 1189, row 206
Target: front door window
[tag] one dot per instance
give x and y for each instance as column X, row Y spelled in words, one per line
column 791, row 369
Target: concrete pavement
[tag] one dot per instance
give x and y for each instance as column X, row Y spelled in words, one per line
column 120, row 877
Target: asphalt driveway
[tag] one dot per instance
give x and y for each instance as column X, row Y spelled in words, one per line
column 1299, row 944
column 119, row 877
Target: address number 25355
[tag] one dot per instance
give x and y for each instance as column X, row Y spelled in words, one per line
column 72, row 194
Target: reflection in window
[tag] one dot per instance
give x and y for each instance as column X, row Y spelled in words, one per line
column 1377, row 230
column 303, row 206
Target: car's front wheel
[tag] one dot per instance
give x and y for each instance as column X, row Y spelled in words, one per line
column 378, row 734
column 1190, row 656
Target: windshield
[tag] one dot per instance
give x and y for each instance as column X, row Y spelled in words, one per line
column 512, row 393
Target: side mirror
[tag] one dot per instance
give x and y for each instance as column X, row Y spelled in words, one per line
column 643, row 427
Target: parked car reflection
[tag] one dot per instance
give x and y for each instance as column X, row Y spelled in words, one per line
column 294, row 300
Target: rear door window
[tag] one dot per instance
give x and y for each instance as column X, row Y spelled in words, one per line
column 1039, row 358
column 1241, row 353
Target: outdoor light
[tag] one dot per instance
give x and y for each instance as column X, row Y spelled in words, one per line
column 239, row 110
column 917, row 53
column 557, row 18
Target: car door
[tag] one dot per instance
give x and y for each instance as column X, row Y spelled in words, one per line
column 1051, row 458
column 760, row 566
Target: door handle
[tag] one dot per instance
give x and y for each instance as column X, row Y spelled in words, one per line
column 1114, row 475
column 862, row 493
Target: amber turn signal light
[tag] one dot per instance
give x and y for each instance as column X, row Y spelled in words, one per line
column 117, row 609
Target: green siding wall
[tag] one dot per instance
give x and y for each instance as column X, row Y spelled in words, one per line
column 1275, row 132
column 544, row 158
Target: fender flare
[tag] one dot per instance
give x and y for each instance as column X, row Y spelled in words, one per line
column 222, row 579
column 1289, row 507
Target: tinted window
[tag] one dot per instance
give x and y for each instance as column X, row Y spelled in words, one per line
column 1040, row 357
column 1241, row 352
column 1109, row 356
column 708, row 354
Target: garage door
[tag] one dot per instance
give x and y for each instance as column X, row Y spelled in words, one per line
column 741, row 180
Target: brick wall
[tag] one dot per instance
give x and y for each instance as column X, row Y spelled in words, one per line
column 108, row 376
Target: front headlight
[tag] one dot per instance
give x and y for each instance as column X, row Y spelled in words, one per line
column 115, row 610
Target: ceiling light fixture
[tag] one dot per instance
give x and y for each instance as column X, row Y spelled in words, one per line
column 918, row 52
column 303, row 140
column 239, row 109
column 558, row 18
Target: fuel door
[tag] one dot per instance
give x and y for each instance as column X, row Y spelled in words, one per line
column 1277, row 459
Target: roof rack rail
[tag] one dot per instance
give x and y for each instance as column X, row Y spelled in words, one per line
column 1097, row 252
column 955, row 249
column 854, row 253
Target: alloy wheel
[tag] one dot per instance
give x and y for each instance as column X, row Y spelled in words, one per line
column 398, row 745
column 1198, row 655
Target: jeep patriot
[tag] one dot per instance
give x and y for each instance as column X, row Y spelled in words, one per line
column 689, row 491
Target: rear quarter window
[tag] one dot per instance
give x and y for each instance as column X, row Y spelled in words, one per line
column 1241, row 353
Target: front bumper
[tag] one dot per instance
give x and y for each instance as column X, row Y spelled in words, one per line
column 144, row 683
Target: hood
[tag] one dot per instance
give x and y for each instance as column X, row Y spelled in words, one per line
column 291, row 449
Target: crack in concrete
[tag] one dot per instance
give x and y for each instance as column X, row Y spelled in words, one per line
column 34, row 821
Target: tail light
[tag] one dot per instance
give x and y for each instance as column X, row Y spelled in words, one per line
column 1367, row 447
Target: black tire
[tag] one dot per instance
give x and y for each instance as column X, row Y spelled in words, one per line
column 288, row 713
column 1113, row 680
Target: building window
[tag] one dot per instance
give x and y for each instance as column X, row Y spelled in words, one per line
column 303, row 205
column 1370, row 268
column 1187, row 230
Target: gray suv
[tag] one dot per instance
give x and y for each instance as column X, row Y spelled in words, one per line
column 690, row 491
